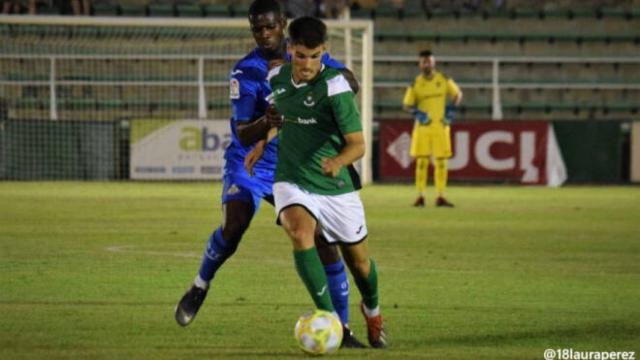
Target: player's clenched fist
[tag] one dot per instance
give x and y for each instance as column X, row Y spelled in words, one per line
column 331, row 167
column 275, row 62
column 273, row 117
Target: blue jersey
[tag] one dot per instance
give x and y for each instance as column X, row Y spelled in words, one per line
column 248, row 91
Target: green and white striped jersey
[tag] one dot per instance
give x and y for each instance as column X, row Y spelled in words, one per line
column 316, row 116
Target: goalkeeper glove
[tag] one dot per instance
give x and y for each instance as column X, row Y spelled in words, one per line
column 449, row 113
column 421, row 116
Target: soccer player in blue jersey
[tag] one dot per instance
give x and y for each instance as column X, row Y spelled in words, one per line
column 242, row 192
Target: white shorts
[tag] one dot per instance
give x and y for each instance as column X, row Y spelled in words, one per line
column 340, row 217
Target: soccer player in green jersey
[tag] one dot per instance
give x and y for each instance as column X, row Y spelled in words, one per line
column 316, row 184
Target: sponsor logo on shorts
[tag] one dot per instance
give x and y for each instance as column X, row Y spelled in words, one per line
column 233, row 189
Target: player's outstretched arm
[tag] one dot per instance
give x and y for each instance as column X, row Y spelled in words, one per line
column 256, row 153
column 253, row 156
column 352, row 151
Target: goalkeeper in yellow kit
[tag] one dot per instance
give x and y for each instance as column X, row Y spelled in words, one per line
column 431, row 99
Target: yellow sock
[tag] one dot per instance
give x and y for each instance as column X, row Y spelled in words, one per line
column 441, row 175
column 422, row 168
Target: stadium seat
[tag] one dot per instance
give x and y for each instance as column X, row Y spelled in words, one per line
column 386, row 106
column 105, row 9
column 238, row 10
column 399, row 35
column 539, row 31
column 189, row 10
column 133, row 8
column 48, row 9
column 162, row 10
column 216, row 10
column 627, row 14
column 387, row 10
column 361, row 13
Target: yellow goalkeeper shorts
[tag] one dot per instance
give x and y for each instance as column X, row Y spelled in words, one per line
column 434, row 139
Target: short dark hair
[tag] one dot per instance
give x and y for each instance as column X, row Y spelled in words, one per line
column 426, row 53
column 259, row 7
column 308, row 31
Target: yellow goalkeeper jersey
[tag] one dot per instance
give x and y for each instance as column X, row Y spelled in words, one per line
column 431, row 95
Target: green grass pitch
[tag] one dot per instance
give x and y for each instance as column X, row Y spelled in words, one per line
column 93, row 270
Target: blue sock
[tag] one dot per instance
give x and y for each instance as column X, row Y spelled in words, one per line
column 215, row 254
column 339, row 288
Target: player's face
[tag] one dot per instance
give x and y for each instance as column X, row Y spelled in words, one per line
column 268, row 32
column 427, row 64
column 306, row 63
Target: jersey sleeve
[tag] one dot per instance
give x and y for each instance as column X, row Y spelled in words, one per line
column 331, row 62
column 409, row 97
column 452, row 88
column 343, row 105
column 243, row 92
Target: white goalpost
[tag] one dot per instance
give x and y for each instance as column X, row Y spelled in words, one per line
column 120, row 69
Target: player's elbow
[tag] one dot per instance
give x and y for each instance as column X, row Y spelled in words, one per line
column 244, row 136
column 249, row 133
column 358, row 150
column 458, row 99
column 355, row 148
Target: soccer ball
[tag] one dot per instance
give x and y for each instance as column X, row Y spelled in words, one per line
column 318, row 332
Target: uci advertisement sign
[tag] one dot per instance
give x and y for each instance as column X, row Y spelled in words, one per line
column 178, row 149
column 519, row 151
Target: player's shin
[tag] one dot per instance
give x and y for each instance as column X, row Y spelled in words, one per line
column 312, row 274
column 217, row 251
column 368, row 286
column 440, row 175
column 422, row 173
column 339, row 289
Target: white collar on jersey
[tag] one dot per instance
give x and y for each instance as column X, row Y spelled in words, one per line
column 304, row 83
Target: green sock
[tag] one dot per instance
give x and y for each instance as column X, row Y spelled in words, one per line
column 369, row 287
column 312, row 274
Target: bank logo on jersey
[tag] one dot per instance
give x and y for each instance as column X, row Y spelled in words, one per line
column 310, row 121
column 309, row 102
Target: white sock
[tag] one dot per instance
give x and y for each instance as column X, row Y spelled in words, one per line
column 335, row 313
column 371, row 312
column 202, row 284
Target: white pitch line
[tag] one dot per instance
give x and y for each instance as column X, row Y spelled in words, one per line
column 284, row 262
column 131, row 249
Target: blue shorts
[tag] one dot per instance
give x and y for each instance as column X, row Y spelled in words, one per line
column 247, row 189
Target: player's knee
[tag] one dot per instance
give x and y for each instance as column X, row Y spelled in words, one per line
column 301, row 236
column 297, row 233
